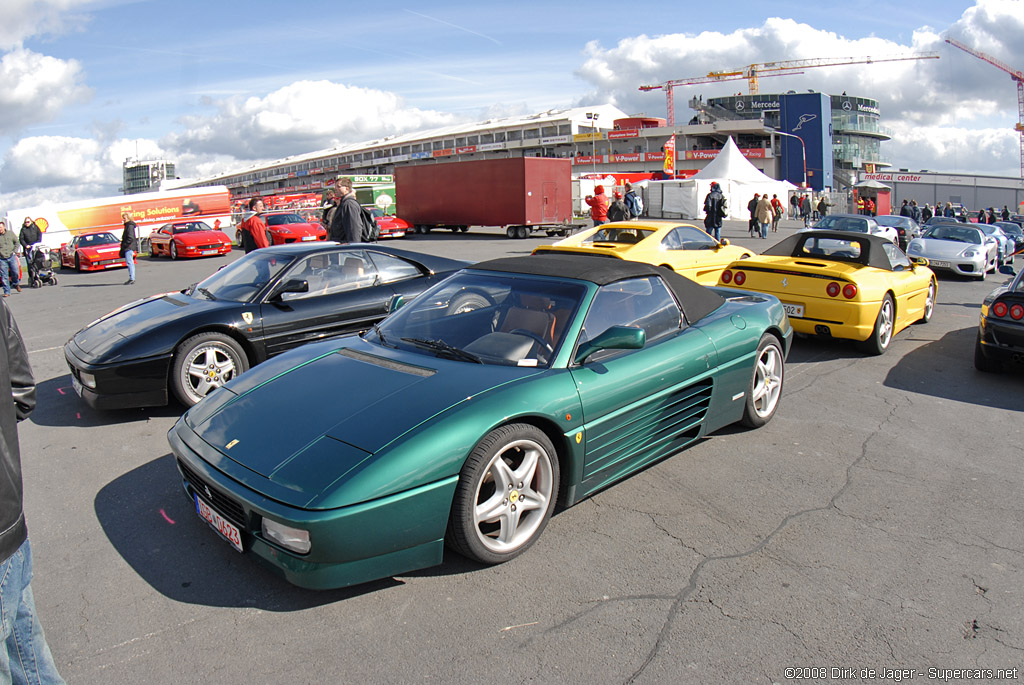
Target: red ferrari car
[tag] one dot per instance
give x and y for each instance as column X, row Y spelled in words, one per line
column 188, row 239
column 390, row 226
column 92, row 252
column 292, row 227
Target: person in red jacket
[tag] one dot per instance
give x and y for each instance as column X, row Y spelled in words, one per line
column 254, row 229
column 598, row 205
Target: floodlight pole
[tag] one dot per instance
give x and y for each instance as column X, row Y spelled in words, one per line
column 803, row 150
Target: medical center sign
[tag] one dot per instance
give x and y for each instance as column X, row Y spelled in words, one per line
column 890, row 178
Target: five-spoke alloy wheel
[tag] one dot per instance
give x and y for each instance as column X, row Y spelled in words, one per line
column 506, row 493
column 203, row 363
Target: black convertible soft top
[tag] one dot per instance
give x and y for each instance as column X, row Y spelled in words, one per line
column 872, row 252
column 697, row 301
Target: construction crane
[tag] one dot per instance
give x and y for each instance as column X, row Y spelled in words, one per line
column 1017, row 76
column 751, row 73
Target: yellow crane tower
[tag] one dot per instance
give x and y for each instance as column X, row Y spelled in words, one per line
column 752, row 72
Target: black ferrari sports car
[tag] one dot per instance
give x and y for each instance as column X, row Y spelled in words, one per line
column 191, row 342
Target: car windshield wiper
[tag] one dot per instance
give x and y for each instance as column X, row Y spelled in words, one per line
column 208, row 294
column 442, row 346
column 380, row 335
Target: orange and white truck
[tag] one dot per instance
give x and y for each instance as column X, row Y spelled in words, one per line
column 60, row 222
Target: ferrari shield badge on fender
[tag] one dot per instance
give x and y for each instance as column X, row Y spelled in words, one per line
column 247, row 317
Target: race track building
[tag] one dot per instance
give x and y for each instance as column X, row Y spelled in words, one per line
column 801, row 137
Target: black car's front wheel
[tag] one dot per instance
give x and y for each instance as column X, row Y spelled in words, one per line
column 203, row 363
column 765, row 383
column 506, row 493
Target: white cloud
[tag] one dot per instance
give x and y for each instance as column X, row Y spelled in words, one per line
column 48, row 161
column 935, row 98
column 35, row 88
column 300, row 117
column 21, row 19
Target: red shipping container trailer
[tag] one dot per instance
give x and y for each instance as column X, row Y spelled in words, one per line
column 522, row 194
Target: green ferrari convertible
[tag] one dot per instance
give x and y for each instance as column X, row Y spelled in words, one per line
column 467, row 415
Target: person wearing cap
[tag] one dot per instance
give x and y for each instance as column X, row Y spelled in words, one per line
column 618, row 211
column 598, row 205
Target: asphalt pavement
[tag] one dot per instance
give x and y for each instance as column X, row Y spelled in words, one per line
column 876, row 523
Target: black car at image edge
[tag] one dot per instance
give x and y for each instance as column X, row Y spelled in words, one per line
column 1001, row 328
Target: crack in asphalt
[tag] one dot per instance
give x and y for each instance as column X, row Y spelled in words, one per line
column 691, row 586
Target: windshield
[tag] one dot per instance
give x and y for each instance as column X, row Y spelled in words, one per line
column 617, row 235
column 832, row 248
column 278, row 219
column 956, row 233
column 843, row 223
column 191, row 227
column 97, row 239
column 241, row 280
column 486, row 318
column 894, row 221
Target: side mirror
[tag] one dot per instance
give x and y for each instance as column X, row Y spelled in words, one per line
column 1007, row 270
column 395, row 303
column 919, row 261
column 294, row 285
column 615, row 338
column 724, row 242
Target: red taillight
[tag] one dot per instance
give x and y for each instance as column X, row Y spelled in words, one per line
column 726, row 276
column 1017, row 312
column 1000, row 309
column 741, row 278
column 833, row 289
column 849, row 291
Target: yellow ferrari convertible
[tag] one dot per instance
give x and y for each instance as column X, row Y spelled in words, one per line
column 685, row 249
column 843, row 285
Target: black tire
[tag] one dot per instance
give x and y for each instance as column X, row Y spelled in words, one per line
column 464, row 229
column 983, row 363
column 203, row 363
column 53, row 279
column 766, row 379
column 929, row 303
column 522, row 232
column 467, row 302
column 78, row 261
column 172, row 250
column 510, row 231
column 885, row 324
column 489, row 522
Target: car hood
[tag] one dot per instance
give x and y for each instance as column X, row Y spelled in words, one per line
column 306, row 418
column 301, row 228
column 102, row 336
column 931, row 247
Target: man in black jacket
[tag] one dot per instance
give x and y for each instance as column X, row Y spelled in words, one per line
column 347, row 222
column 24, row 655
column 28, row 236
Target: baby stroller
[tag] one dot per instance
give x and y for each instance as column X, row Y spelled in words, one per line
column 40, row 266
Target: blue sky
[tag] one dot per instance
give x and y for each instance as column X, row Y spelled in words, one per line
column 223, row 85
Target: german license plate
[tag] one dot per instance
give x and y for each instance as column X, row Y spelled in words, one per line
column 225, row 528
column 796, row 310
column 208, row 252
column 936, row 262
column 308, row 237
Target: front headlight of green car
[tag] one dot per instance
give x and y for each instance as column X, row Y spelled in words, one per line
column 293, row 539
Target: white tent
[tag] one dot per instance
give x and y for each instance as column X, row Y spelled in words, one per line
column 739, row 179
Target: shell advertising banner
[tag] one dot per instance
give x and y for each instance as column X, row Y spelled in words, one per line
column 60, row 222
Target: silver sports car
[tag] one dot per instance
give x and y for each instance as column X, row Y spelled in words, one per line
column 960, row 248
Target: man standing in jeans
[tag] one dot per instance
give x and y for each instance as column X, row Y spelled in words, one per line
column 24, row 655
column 129, row 246
column 9, row 266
